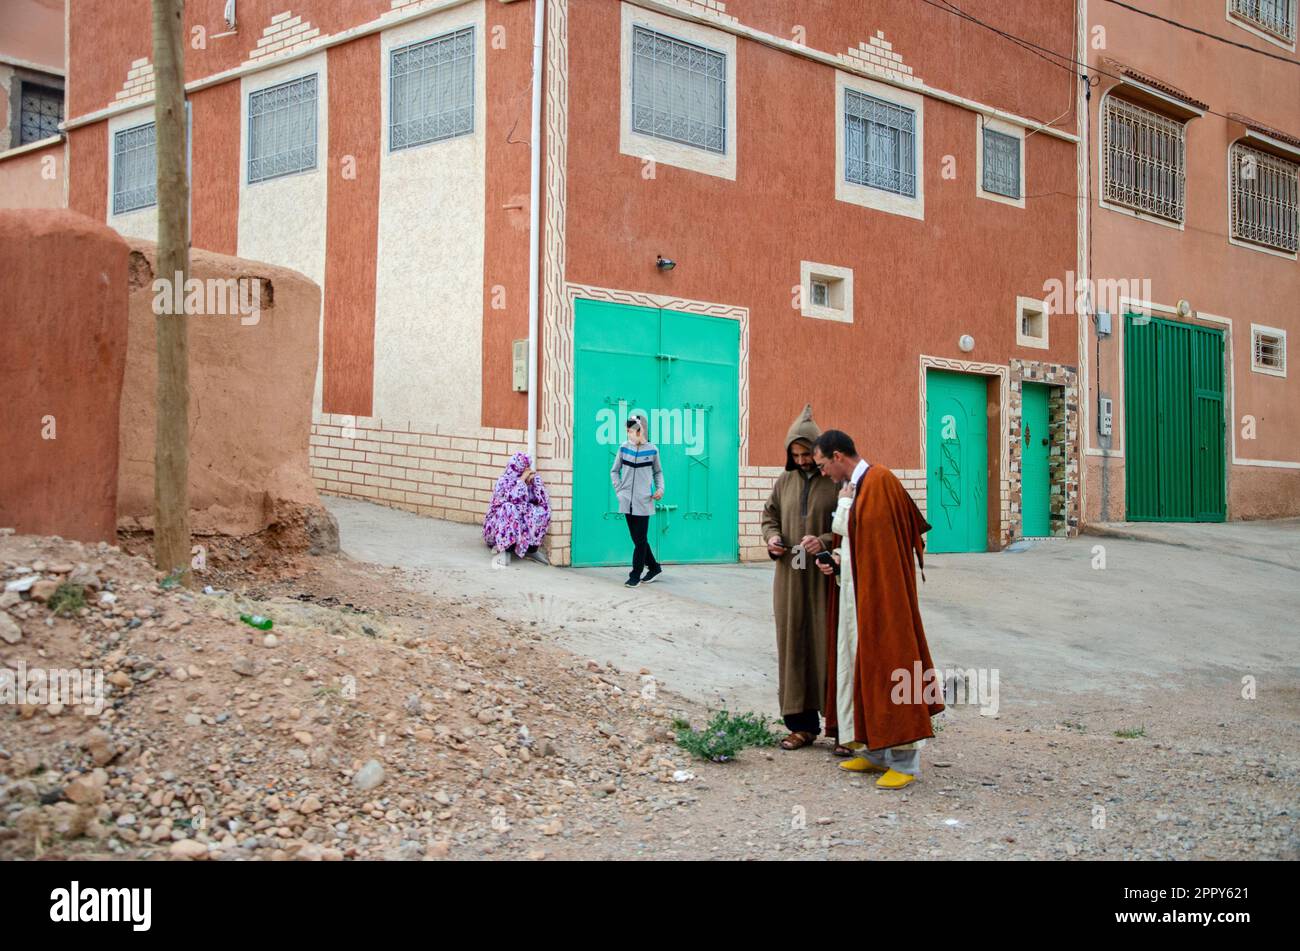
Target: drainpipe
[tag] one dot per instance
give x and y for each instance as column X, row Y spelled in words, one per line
column 534, row 225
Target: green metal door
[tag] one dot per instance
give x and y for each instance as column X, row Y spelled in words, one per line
column 956, row 453
column 1174, row 425
column 615, row 371
column 699, row 438
column 1035, row 476
column 681, row 370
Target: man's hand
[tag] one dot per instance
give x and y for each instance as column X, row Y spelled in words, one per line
column 774, row 545
column 659, row 494
column 811, row 544
column 846, row 492
column 830, row 569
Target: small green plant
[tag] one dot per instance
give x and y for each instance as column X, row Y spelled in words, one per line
column 1132, row 733
column 724, row 736
column 1071, row 725
column 67, row 599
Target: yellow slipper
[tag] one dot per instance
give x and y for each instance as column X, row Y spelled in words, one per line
column 895, row 780
column 860, row 764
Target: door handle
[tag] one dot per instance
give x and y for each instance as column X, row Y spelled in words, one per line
column 1045, row 441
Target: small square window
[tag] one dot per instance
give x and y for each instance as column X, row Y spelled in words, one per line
column 282, row 129
column 135, row 169
column 1031, row 323
column 1268, row 350
column 825, row 291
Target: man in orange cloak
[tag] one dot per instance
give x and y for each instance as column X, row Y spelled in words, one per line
column 882, row 688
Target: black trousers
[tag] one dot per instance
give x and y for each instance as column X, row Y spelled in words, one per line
column 642, row 556
column 806, row 722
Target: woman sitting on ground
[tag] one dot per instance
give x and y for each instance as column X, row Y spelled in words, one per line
column 520, row 511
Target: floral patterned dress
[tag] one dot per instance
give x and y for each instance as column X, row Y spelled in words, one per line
column 520, row 512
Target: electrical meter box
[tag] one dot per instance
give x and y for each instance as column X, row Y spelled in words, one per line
column 520, row 361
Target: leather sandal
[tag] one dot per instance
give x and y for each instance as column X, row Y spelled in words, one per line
column 798, row 740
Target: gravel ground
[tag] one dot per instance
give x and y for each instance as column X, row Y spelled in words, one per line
column 494, row 743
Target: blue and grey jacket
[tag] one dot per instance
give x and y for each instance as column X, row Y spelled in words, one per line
column 639, row 475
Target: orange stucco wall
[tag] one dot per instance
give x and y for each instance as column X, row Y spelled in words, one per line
column 918, row 285
column 33, row 179
column 88, row 170
column 33, row 32
column 63, row 317
column 1198, row 263
column 351, row 227
column 505, row 271
column 214, row 203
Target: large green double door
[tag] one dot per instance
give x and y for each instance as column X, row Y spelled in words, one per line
column 1174, row 428
column 681, row 371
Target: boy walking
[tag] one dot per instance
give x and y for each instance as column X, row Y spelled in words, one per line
column 639, row 481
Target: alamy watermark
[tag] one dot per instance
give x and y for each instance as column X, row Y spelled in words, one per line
column 1080, row 296
column 56, row 686
column 209, row 297
column 668, row 427
column 953, row 686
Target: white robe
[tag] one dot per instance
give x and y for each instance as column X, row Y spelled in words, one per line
column 846, row 632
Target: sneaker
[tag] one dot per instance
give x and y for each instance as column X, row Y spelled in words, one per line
column 631, row 583
column 652, row 574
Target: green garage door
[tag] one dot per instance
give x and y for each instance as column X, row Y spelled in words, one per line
column 681, row 370
column 956, row 459
column 1174, row 427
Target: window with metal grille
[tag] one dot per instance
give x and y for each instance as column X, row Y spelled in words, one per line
column 679, row 91
column 282, row 129
column 1265, row 199
column 879, row 144
column 1275, row 16
column 431, row 90
column 821, row 294
column 1145, row 160
column 41, row 111
column 1001, row 164
column 135, row 169
column 1268, row 350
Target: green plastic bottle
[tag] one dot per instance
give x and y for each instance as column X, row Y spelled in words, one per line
column 257, row 620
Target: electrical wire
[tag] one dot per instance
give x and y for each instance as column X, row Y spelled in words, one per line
column 1021, row 41
column 1213, row 36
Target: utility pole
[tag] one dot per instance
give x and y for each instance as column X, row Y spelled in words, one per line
column 171, row 443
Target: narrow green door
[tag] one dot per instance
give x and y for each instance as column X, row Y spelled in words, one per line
column 1035, row 476
column 1174, row 426
column 956, row 453
column 681, row 370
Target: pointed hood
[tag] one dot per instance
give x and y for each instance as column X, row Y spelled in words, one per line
column 803, row 429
